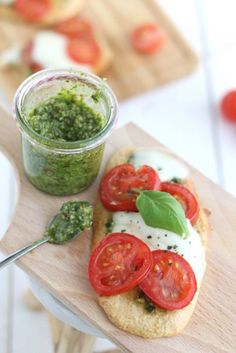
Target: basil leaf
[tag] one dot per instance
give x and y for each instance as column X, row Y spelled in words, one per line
column 161, row 210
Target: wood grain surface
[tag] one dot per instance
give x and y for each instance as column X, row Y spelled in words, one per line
column 130, row 72
column 63, row 269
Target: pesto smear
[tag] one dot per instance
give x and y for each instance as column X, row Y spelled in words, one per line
column 73, row 218
column 64, row 117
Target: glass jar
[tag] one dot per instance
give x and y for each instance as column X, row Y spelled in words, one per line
column 62, row 167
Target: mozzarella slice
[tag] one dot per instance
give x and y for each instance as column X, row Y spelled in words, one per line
column 190, row 248
column 50, row 51
column 166, row 166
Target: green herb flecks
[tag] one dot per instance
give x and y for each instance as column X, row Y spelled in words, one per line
column 161, row 210
column 109, row 226
column 146, row 302
column 176, row 180
column 73, row 218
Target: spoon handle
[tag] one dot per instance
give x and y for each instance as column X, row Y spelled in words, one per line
column 17, row 254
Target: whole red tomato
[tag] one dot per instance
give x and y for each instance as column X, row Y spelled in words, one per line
column 228, row 106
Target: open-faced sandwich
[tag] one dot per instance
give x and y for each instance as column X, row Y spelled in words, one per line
column 72, row 43
column 149, row 241
column 40, row 12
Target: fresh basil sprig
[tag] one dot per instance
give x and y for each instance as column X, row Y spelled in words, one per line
column 161, row 210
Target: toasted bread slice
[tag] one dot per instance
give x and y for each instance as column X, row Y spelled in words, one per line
column 61, row 10
column 12, row 57
column 123, row 310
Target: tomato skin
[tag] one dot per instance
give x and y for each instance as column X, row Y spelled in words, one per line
column 84, row 50
column 169, row 286
column 117, row 185
column 75, row 27
column 32, row 10
column 228, row 106
column 148, row 38
column 185, row 197
column 26, row 56
column 119, row 263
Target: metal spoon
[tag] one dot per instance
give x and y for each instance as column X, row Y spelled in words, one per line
column 73, row 218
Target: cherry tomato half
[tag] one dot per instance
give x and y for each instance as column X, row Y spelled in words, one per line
column 185, row 197
column 119, row 263
column 26, row 56
column 32, row 10
column 117, row 186
column 148, row 38
column 171, row 283
column 75, row 27
column 84, row 50
column 228, row 106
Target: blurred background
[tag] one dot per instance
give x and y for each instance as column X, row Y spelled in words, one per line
column 174, row 94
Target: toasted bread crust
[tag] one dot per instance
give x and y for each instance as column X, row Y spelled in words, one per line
column 123, row 310
column 61, row 10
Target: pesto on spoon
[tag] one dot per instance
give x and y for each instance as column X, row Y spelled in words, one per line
column 73, row 218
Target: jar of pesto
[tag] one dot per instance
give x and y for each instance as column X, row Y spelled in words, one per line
column 65, row 117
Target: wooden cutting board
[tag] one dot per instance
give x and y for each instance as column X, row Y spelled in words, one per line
column 63, row 269
column 130, row 73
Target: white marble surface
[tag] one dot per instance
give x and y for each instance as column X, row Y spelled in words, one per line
column 183, row 115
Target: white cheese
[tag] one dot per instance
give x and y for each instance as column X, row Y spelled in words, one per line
column 166, row 166
column 50, row 51
column 190, row 248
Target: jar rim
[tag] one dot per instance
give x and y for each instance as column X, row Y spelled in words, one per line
column 47, row 75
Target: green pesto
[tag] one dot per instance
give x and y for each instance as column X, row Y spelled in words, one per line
column 61, row 174
column 109, row 226
column 65, row 118
column 176, row 180
column 146, row 302
column 73, row 218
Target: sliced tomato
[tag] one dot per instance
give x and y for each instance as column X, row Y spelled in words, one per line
column 171, row 283
column 117, row 188
column 75, row 27
column 119, row 263
column 185, row 197
column 228, row 106
column 84, row 50
column 148, row 38
column 26, row 56
column 32, row 10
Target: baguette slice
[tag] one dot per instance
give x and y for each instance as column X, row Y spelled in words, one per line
column 123, row 309
column 61, row 10
column 12, row 57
